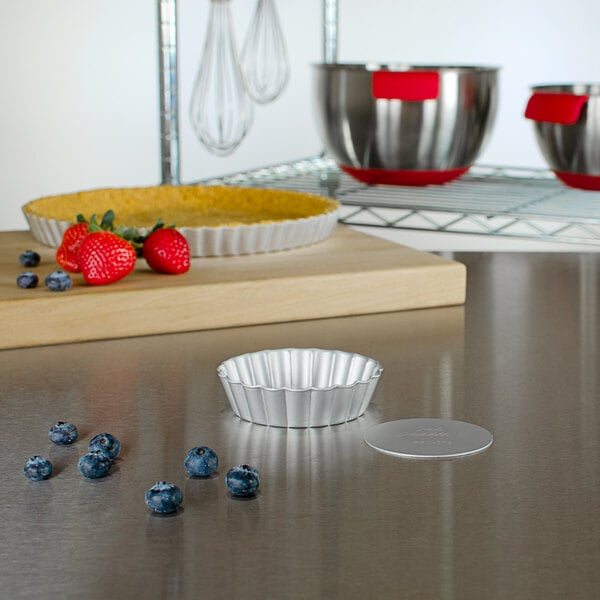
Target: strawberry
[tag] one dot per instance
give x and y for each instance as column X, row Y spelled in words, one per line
column 166, row 250
column 104, row 258
column 66, row 255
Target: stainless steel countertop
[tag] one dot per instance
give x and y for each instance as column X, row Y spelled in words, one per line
column 334, row 518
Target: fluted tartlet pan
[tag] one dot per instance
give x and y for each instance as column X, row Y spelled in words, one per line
column 215, row 220
column 299, row 387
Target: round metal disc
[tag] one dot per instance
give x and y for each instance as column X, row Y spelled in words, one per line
column 428, row 438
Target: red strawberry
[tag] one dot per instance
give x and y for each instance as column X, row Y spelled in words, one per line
column 104, row 257
column 167, row 251
column 66, row 255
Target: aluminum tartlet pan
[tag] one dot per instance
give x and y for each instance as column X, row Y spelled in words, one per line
column 299, row 387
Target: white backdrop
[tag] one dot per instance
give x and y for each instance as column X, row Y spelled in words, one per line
column 79, row 81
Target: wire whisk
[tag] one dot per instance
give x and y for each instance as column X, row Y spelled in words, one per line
column 264, row 57
column 221, row 110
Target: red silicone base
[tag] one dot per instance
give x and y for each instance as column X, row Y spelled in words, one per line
column 404, row 177
column 578, row 180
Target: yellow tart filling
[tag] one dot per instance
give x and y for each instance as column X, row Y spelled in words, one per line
column 186, row 206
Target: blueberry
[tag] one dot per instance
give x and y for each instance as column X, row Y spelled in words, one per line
column 164, row 497
column 201, row 461
column 37, row 468
column 94, row 465
column 106, row 443
column 63, row 433
column 27, row 280
column 58, row 281
column 29, row 258
column 242, row 480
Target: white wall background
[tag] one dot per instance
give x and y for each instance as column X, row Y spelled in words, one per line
column 79, row 83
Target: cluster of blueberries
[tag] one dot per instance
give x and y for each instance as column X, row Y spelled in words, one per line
column 57, row 281
column 102, row 450
column 201, row 461
column 163, row 497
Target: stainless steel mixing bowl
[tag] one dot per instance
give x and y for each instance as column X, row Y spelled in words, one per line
column 566, row 121
column 405, row 125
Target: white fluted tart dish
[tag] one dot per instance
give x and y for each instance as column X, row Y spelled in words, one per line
column 216, row 220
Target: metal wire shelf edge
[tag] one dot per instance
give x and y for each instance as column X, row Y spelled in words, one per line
column 539, row 237
column 536, row 233
column 525, row 196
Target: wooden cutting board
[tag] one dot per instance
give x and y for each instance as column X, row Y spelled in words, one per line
column 350, row 273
